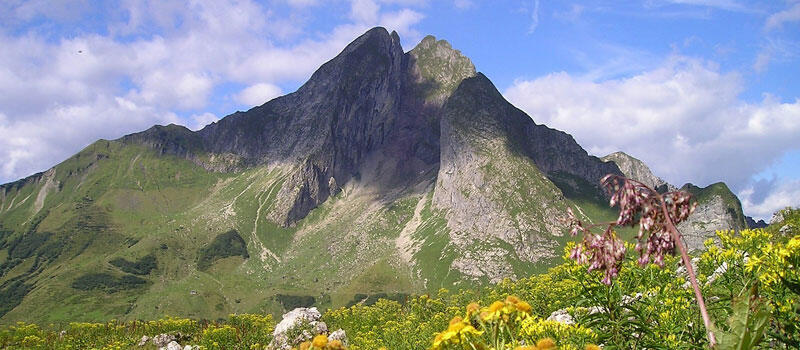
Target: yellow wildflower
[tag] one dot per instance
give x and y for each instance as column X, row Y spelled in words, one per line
column 545, row 344
column 472, row 308
column 496, row 306
column 523, row 306
column 511, row 299
column 320, row 341
column 485, row 315
column 336, row 344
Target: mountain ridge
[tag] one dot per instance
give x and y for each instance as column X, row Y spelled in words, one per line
column 387, row 172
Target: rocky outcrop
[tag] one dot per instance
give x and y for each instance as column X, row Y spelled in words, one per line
column 492, row 192
column 556, row 152
column 438, row 69
column 704, row 222
column 299, row 325
column 50, row 184
column 636, row 169
column 717, row 209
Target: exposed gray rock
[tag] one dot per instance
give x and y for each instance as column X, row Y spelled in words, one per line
column 714, row 212
column 492, row 192
column 296, row 316
column 162, row 340
column 562, row 316
column 777, row 216
column 439, row 68
column 307, row 319
column 710, row 216
column 144, row 340
column 752, row 223
column 173, row 345
column 636, row 169
column 339, row 335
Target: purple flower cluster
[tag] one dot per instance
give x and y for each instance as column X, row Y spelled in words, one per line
column 601, row 251
column 638, row 204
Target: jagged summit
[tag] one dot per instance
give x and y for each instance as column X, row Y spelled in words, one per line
column 440, row 68
column 636, row 169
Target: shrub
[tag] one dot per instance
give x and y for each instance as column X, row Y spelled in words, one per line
column 142, row 266
column 107, row 282
column 225, row 245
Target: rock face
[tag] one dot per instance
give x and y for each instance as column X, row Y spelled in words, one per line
column 492, row 191
column 636, row 169
column 718, row 209
column 752, row 223
column 705, row 221
column 304, row 323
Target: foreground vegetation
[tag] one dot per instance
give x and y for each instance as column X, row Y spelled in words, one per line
column 749, row 279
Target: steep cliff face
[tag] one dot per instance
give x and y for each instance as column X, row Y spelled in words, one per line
column 717, row 209
column 327, row 128
column 371, row 110
column 494, row 195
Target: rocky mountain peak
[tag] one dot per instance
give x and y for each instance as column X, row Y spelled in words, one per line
column 637, row 170
column 439, row 68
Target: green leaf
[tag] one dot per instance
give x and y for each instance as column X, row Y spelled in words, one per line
column 747, row 325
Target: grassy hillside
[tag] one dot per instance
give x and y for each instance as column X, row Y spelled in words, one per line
column 120, row 231
column 127, row 233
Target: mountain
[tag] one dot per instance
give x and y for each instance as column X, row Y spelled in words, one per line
column 387, row 173
column 717, row 207
column 636, row 169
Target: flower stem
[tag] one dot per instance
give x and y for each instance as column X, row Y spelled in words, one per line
column 676, row 236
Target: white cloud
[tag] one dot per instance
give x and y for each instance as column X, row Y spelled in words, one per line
column 777, row 50
column 786, row 194
column 28, row 145
column 463, row 4
column 258, row 94
column 684, row 119
column 198, row 121
column 777, row 20
column 762, row 61
column 157, row 59
column 402, row 21
column 534, row 17
column 364, row 11
column 728, row 5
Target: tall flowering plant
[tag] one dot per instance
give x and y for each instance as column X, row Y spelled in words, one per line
column 656, row 214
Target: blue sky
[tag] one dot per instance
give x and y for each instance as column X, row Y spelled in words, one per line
column 701, row 90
